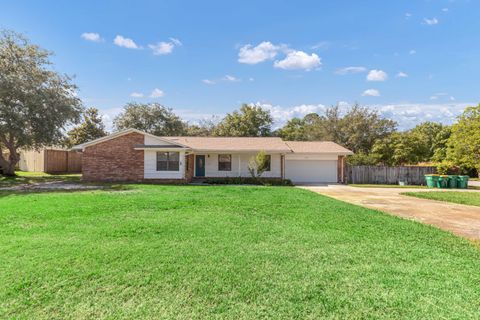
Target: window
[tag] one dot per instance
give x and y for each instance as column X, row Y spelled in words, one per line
column 269, row 161
column 168, row 161
column 224, row 162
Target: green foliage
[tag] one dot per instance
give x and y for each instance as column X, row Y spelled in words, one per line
column 424, row 143
column 294, row 130
column 464, row 143
column 250, row 180
column 89, row 129
column 152, row 118
column 203, row 128
column 357, row 129
column 36, row 103
column 258, row 164
column 249, row 121
column 226, row 252
column 362, row 159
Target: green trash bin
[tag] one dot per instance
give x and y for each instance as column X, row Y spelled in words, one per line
column 463, row 182
column 431, row 180
column 452, row 181
column 442, row 182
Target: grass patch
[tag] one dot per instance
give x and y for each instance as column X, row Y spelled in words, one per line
column 225, row 252
column 468, row 198
column 386, row 186
column 36, row 177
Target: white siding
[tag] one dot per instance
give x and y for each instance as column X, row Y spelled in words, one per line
column 240, row 166
column 150, row 167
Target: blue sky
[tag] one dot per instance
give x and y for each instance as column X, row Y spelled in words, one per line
column 411, row 60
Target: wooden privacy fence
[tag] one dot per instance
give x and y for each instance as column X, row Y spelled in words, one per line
column 412, row 175
column 63, row 161
column 51, row 161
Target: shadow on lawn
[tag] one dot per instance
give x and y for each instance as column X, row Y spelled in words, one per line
column 82, row 187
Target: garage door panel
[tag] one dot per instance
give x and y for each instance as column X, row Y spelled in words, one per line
column 320, row 171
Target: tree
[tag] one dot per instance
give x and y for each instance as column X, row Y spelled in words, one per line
column 203, row 128
column 464, row 143
column 294, row 130
column 151, row 118
column 258, row 164
column 36, row 103
column 357, row 129
column 432, row 139
column 249, row 121
column 90, row 128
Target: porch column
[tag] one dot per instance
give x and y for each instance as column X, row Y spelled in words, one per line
column 239, row 164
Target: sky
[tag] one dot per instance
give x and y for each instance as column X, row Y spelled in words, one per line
column 413, row 61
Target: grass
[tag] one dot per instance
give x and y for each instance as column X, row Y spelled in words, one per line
column 225, row 252
column 36, row 177
column 386, row 186
column 468, row 198
column 398, row 186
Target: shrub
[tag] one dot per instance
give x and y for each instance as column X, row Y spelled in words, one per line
column 250, row 180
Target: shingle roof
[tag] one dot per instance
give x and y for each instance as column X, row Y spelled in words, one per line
column 270, row 144
column 317, row 147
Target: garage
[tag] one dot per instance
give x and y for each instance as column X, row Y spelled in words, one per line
column 311, row 171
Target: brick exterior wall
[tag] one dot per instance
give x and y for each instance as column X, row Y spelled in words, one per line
column 189, row 167
column 114, row 160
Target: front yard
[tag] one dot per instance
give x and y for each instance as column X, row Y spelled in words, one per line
column 468, row 198
column 226, row 252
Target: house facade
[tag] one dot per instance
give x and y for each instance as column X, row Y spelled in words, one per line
column 136, row 156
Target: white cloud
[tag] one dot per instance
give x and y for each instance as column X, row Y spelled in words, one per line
column 282, row 114
column 230, row 78
column 371, row 93
column 251, row 79
column 323, row 45
column 401, row 75
column 412, row 51
column 136, row 95
column 350, row 70
column 176, row 42
column 207, row 81
column 377, row 75
column 445, row 9
column 430, row 22
column 91, row 36
column 162, row 47
column 262, row 52
column 125, row 42
column 433, row 98
column 157, row 93
column 408, row 15
column 298, row 60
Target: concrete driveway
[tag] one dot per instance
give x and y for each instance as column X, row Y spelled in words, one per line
column 462, row 220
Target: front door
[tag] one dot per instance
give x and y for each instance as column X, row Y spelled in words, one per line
column 199, row 166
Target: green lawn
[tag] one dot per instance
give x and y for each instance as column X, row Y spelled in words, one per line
column 36, row 177
column 470, row 198
column 386, row 186
column 225, row 252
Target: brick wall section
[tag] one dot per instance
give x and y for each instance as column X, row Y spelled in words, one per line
column 114, row 160
column 189, row 161
column 341, row 169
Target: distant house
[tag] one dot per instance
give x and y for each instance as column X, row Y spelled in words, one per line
column 50, row 160
column 133, row 155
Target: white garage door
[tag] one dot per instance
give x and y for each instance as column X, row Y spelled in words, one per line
column 311, row 171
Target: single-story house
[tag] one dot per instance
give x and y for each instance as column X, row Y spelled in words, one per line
column 133, row 155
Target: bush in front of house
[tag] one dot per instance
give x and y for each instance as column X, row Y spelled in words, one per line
column 250, row 180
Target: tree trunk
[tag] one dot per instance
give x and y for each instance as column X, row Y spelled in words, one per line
column 8, row 165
